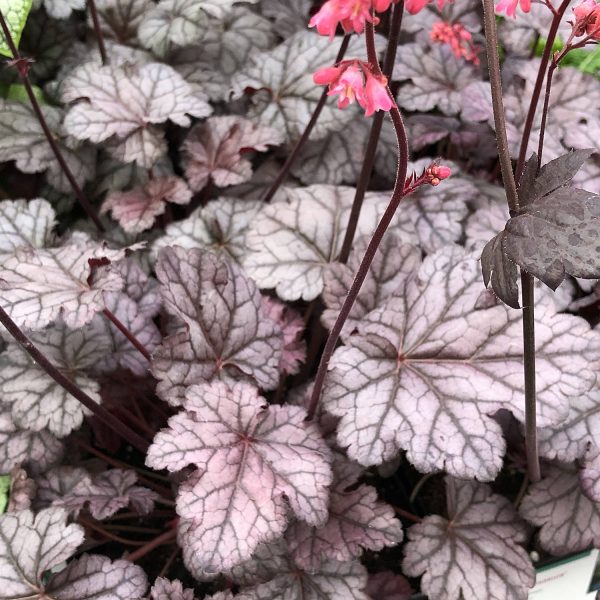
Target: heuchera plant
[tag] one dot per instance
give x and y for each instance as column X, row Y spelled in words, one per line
column 258, row 343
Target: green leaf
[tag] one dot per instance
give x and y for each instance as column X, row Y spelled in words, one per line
column 15, row 13
column 17, row 93
column 4, row 491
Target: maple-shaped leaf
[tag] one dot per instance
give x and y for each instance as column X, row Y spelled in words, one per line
column 38, row 285
column 220, row 226
column 253, row 460
column 386, row 585
column 38, row 402
column 430, row 366
column 137, row 209
column 291, row 324
column 437, row 78
column 357, row 520
column 393, row 263
column 22, row 490
column 31, row 545
column 140, row 287
column 554, row 233
column 569, row 520
column 474, row 553
column 105, row 494
column 163, row 589
column 120, row 19
column 18, row 446
column 293, row 241
column 58, row 482
column 213, row 150
column 123, row 105
column 25, row 223
column 22, row 139
column 277, row 576
column 577, row 438
column 227, row 336
column 285, row 95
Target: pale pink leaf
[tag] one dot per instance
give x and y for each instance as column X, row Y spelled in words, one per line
column 214, row 150
column 140, row 287
column 429, row 368
column 38, row 285
column 31, row 545
column 163, row 589
column 357, row 520
column 388, row 586
column 292, row 241
column 254, row 460
column 38, row 402
column 94, row 577
column 474, row 553
column 220, row 226
column 36, row 449
column 59, row 482
column 137, row 209
column 291, row 324
column 227, row 335
column 124, row 105
column 569, row 520
column 392, row 265
column 26, row 223
column 107, row 493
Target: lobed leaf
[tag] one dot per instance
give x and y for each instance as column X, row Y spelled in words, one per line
column 25, row 223
column 249, row 457
column 15, row 13
column 163, row 589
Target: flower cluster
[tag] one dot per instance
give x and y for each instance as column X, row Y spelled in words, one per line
column 458, row 38
column 587, row 19
column 350, row 14
column 354, row 80
column 436, row 173
column 510, row 7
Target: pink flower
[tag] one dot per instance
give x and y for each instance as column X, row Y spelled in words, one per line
column 327, row 19
column 349, row 86
column 351, row 14
column 587, row 19
column 510, row 7
column 436, row 173
column 358, row 12
column 377, row 94
column 382, row 5
column 415, row 6
column 327, row 75
column 458, row 38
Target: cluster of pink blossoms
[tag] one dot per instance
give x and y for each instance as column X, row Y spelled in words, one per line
column 510, row 7
column 458, row 38
column 587, row 19
column 350, row 14
column 354, row 80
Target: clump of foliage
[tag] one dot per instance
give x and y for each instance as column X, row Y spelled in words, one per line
column 248, row 347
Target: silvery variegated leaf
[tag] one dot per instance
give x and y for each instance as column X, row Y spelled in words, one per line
column 95, row 577
column 140, row 287
column 577, row 438
column 437, row 78
column 37, row 401
column 392, row 265
column 255, row 462
column 285, row 95
column 569, row 520
column 22, row 140
column 357, row 520
column 289, row 17
column 31, row 545
column 38, row 285
column 226, row 334
column 213, row 150
column 221, row 227
column 120, row 19
column 37, row 450
column 274, row 575
column 25, row 223
column 292, row 241
column 123, row 105
column 57, row 482
column 61, row 9
column 430, row 366
column 163, row 589
column 474, row 553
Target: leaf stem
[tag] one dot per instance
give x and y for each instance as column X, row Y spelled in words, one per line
column 100, row 412
column 98, row 31
column 22, row 66
column 407, row 515
column 369, row 160
column 491, row 40
column 551, row 70
column 291, row 159
column 128, row 334
column 397, row 195
column 107, row 534
column 537, row 88
column 168, row 537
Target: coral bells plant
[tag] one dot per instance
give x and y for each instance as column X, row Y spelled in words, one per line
column 297, row 300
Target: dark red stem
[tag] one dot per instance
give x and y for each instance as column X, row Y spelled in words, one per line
column 134, row 341
column 168, row 537
column 98, row 31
